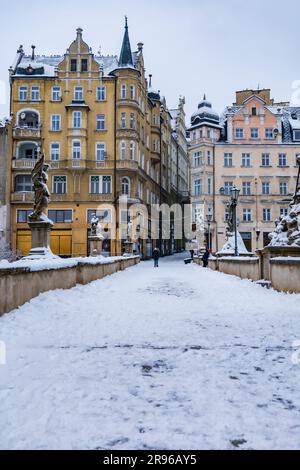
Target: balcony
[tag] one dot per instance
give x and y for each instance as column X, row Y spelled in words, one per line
column 26, row 197
column 101, row 197
column 23, row 163
column 26, row 132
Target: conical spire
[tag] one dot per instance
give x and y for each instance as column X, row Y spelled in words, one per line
column 125, row 55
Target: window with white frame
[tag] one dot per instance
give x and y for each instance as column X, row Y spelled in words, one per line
column 265, row 159
column 123, row 92
column 100, row 184
column 22, row 94
column 247, row 215
column 35, row 93
column 209, row 186
column 54, row 151
column 246, row 159
column 55, row 122
column 100, row 122
column 76, row 149
column 101, row 93
column 56, row 93
column 76, row 119
column 123, row 120
column 209, row 157
column 23, row 183
column 282, row 161
column 284, row 211
column 123, row 150
column 131, row 120
column 254, row 133
column 246, row 188
column 267, row 215
column 297, row 134
column 228, row 185
column 198, row 159
column 239, row 133
column 131, row 150
column 59, row 184
column 265, row 186
column 100, row 151
column 283, row 188
column 197, row 187
column 78, row 93
column 132, row 92
column 126, row 186
column 154, row 119
column 228, row 159
column 61, row 216
column 140, row 189
column 269, row 133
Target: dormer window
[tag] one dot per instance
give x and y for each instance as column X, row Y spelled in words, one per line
column 73, row 65
column 78, row 93
column 84, row 65
column 254, row 111
column 297, row 135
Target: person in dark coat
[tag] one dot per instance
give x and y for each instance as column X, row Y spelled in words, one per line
column 155, row 256
column 205, row 258
column 192, row 253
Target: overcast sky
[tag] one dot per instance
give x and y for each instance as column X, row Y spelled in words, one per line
column 190, row 46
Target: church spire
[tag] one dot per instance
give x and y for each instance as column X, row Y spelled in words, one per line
column 125, row 55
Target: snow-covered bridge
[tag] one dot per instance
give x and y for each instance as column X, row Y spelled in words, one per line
column 175, row 357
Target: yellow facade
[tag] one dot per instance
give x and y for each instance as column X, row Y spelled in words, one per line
column 97, row 123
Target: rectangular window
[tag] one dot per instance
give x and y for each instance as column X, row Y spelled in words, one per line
column 254, row 133
column 228, row 185
column 22, row 215
column 284, row 211
column 267, row 215
column 100, row 184
column 297, row 135
column 77, row 119
column 131, row 151
column 209, row 157
column 246, row 159
column 100, row 122
column 78, row 93
column 73, row 65
column 123, row 150
column 23, row 183
column 228, row 159
column 265, row 159
column 209, row 185
column 239, row 133
column 247, row 215
column 198, row 187
column 131, row 120
column 84, row 65
column 56, row 93
column 35, row 93
column 246, row 188
column 76, row 150
column 123, row 92
column 106, row 184
column 95, row 184
column 282, row 161
column 101, row 93
column 283, row 188
column 123, row 120
column 269, row 133
column 22, row 93
column 265, row 188
column 59, row 184
column 60, row 216
column 254, row 111
column 132, row 92
column 55, row 122
column 54, row 151
column 100, row 151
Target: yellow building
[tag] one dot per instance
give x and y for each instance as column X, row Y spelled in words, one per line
column 104, row 132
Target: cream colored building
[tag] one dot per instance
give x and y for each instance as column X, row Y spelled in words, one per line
column 254, row 149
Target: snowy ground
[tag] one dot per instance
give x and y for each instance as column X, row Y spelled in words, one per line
column 177, row 358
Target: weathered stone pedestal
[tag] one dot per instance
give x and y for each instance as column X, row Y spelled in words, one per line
column 40, row 240
column 95, row 245
column 269, row 252
column 128, row 248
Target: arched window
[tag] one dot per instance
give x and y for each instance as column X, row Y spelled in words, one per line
column 126, row 186
column 28, row 118
column 27, row 150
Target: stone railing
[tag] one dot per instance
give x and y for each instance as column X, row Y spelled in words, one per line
column 24, row 280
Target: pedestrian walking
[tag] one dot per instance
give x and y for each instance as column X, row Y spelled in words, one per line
column 205, row 258
column 192, row 253
column 155, row 256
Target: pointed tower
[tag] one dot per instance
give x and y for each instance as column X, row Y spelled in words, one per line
column 126, row 55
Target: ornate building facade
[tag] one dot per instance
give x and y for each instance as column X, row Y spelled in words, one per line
column 106, row 134
column 253, row 147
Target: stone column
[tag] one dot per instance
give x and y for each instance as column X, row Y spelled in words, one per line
column 95, row 245
column 40, row 239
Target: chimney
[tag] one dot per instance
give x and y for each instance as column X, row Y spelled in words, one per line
column 32, row 53
column 140, row 46
column 79, row 34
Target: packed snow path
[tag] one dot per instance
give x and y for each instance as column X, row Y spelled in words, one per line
column 178, row 357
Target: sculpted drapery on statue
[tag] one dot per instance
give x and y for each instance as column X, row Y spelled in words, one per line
column 39, row 178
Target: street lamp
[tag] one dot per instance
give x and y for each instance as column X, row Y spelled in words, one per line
column 234, row 200
column 209, row 219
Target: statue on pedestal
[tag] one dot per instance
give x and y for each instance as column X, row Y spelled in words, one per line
column 95, row 237
column 39, row 178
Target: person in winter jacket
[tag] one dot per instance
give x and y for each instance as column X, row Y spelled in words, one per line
column 205, row 258
column 155, row 256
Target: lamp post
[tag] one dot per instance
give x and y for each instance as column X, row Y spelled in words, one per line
column 234, row 200
column 208, row 218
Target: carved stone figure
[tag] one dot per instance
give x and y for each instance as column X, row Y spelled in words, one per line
column 39, row 178
column 94, row 225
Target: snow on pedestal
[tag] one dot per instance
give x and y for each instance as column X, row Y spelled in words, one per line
column 229, row 247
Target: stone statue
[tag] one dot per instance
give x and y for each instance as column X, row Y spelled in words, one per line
column 287, row 230
column 39, row 178
column 230, row 220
